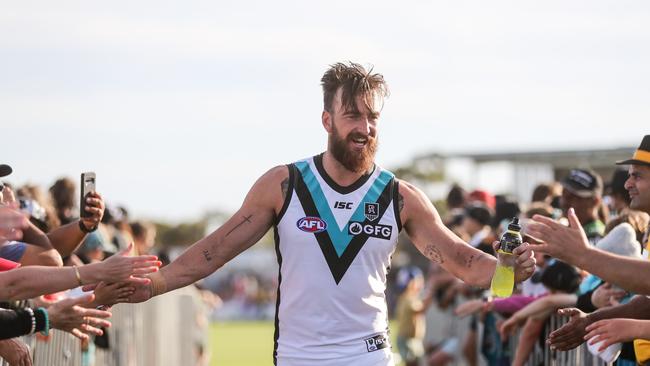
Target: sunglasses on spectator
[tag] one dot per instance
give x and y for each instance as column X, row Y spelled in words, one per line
column 2, row 187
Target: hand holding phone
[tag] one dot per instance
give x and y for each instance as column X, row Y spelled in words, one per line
column 87, row 186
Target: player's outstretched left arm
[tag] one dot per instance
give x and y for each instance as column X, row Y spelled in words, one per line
column 426, row 230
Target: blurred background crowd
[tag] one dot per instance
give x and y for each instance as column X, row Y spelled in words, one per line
column 49, row 255
column 439, row 320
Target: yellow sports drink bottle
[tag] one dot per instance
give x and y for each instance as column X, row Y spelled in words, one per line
column 504, row 276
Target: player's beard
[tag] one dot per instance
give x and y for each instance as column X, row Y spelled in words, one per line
column 356, row 161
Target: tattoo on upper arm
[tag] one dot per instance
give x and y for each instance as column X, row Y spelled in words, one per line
column 247, row 219
column 206, row 255
column 433, row 253
column 400, row 201
column 285, row 187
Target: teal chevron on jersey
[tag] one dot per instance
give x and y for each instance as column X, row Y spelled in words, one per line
column 339, row 236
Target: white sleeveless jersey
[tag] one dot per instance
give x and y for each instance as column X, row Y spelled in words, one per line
column 334, row 246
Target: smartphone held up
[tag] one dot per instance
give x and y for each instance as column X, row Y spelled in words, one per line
column 87, row 186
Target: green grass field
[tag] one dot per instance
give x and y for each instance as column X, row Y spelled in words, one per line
column 241, row 344
column 244, row 343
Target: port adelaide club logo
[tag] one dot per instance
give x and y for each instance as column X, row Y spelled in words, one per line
column 371, row 212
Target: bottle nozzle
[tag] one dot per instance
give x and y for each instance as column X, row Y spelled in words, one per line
column 514, row 224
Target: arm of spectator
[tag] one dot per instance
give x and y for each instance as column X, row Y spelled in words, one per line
column 548, row 303
column 34, row 255
column 535, row 312
column 606, row 295
column 611, row 331
column 571, row 334
column 528, row 337
column 470, row 307
column 28, row 282
column 15, row 353
column 509, row 325
column 67, row 238
column 34, row 236
column 570, row 245
column 14, row 323
column 441, row 245
column 538, row 308
column 512, row 304
column 12, row 222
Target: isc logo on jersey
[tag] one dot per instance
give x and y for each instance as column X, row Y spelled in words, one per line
column 373, row 230
column 311, row 224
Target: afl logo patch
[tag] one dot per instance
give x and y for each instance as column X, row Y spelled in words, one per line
column 311, row 224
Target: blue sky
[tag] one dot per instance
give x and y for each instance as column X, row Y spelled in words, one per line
column 179, row 106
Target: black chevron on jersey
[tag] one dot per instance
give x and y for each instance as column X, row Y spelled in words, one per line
column 338, row 265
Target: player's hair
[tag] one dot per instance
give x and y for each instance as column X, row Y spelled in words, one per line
column 354, row 81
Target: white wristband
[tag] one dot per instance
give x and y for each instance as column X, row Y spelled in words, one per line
column 31, row 313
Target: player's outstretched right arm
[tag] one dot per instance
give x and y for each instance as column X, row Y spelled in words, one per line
column 241, row 231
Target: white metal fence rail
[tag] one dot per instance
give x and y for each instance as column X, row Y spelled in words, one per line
column 165, row 331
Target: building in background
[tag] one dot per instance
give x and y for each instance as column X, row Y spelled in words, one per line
column 513, row 173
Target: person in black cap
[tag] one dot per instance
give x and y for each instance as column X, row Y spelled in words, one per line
column 5, row 170
column 583, row 190
column 570, row 244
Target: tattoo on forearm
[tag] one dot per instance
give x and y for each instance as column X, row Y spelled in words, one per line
column 285, row 187
column 206, row 255
column 433, row 253
column 247, row 219
column 400, row 201
column 468, row 262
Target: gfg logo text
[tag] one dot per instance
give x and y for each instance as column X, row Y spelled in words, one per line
column 372, row 230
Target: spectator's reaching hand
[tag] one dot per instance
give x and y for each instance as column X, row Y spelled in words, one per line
column 120, row 267
column 95, row 206
column 571, row 334
column 611, row 331
column 70, row 316
column 15, row 352
column 557, row 240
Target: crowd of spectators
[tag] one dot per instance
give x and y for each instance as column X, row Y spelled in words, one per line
column 60, row 271
column 611, row 221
